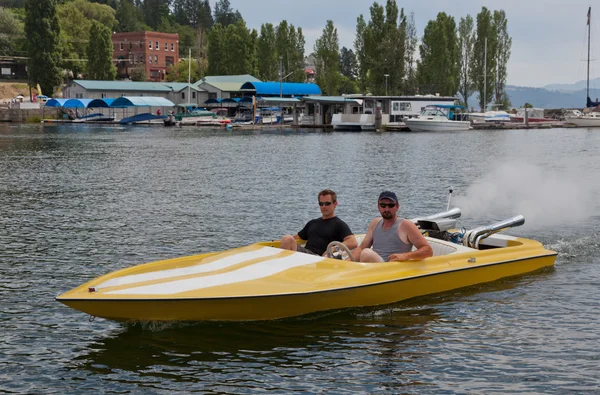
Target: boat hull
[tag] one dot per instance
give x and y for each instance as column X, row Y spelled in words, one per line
column 584, row 121
column 426, row 125
column 319, row 285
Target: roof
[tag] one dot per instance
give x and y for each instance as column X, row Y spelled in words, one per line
column 97, row 103
column 55, row 102
column 331, row 99
column 123, row 85
column 76, row 103
column 279, row 100
column 180, row 86
column 285, row 88
column 142, row 101
column 227, row 83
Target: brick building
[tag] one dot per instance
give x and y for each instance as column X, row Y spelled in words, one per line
column 152, row 50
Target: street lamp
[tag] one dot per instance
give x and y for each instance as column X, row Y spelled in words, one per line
column 386, row 78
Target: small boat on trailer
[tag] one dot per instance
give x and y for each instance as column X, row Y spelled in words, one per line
column 263, row 282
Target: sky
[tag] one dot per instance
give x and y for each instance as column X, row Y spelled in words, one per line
column 549, row 37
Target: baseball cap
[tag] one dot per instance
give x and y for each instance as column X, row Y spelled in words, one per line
column 388, row 195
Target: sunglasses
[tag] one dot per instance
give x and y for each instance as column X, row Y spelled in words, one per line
column 325, row 203
column 388, row 205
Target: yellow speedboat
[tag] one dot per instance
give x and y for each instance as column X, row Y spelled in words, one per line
column 262, row 281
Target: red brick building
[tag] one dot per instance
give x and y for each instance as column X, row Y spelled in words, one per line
column 152, row 50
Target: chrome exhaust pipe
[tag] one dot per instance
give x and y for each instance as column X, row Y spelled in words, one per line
column 473, row 237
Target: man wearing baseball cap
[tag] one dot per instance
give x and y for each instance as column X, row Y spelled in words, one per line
column 391, row 238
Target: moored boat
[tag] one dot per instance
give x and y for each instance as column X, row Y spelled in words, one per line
column 262, row 281
column 437, row 118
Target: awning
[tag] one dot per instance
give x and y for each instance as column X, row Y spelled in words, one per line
column 76, row 103
column 285, row 88
column 142, row 101
column 55, row 102
column 101, row 103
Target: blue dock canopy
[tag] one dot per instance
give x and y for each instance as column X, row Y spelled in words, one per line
column 55, row 102
column 142, row 101
column 287, row 88
column 101, row 103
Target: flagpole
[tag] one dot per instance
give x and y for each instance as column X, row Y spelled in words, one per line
column 589, row 17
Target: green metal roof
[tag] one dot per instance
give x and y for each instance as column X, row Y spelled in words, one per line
column 227, row 83
column 123, row 85
column 329, row 99
column 180, row 86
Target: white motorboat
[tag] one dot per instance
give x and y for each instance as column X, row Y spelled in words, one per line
column 437, row 118
column 590, row 119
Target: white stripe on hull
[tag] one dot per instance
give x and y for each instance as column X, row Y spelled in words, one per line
column 219, row 264
column 247, row 273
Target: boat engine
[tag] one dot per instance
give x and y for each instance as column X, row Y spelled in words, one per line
column 437, row 225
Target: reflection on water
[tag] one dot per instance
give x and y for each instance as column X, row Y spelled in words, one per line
column 81, row 201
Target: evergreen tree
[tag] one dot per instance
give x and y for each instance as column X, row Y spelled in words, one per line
column 327, row 54
column 411, row 85
column 504, row 43
column 348, row 63
column 43, row 30
column 362, row 59
column 154, row 11
column 225, row 15
column 484, row 61
column 466, row 39
column 268, row 67
column 100, row 53
column 129, row 18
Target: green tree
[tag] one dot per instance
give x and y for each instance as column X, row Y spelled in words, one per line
column 225, row 15
column 362, row 65
column 179, row 72
column 154, row 11
column 12, row 32
column 138, row 73
column 504, row 43
column 410, row 85
column 43, row 30
column 268, row 67
column 195, row 13
column 129, row 18
column 100, row 53
column 466, row 39
column 438, row 70
column 290, row 47
column 375, row 38
column 348, row 63
column 327, row 54
column 484, row 58
column 231, row 49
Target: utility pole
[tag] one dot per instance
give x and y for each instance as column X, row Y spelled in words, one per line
column 189, row 100
column 386, row 79
column 484, row 75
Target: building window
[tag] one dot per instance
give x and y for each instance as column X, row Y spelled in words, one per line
column 169, row 60
column 121, row 46
column 140, row 44
column 156, row 59
column 166, row 46
column 193, row 95
column 103, row 96
column 150, row 59
column 157, row 45
column 130, row 45
column 150, row 44
column 182, row 95
column 172, row 47
column 141, row 58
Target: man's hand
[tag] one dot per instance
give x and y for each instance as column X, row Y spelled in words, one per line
column 397, row 258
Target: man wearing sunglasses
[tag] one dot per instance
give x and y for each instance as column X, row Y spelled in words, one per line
column 391, row 238
column 319, row 232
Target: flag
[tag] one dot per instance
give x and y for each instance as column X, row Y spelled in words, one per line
column 589, row 14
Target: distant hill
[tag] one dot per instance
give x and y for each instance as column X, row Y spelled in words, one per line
column 566, row 97
column 572, row 87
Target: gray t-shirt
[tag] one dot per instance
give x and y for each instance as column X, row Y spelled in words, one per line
column 387, row 242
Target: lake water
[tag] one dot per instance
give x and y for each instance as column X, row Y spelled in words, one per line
column 80, row 201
